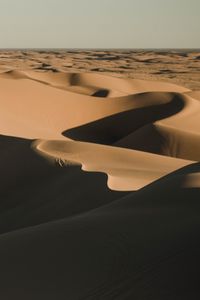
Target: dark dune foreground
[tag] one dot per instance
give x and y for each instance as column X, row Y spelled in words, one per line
column 33, row 191
column 139, row 247
column 100, row 179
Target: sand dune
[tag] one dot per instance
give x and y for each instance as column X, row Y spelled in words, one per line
column 173, row 66
column 194, row 94
column 99, row 180
column 140, row 246
column 34, row 191
column 22, row 117
column 126, row 169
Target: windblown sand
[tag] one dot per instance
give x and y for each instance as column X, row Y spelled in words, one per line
column 100, row 175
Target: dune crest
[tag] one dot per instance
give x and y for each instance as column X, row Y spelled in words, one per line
column 159, row 119
column 126, row 169
column 100, row 174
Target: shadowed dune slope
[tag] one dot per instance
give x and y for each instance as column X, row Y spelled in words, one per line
column 142, row 246
column 59, row 109
column 126, row 169
column 34, row 190
column 100, row 185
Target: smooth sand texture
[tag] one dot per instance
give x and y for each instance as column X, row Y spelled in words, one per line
column 100, row 179
column 126, row 169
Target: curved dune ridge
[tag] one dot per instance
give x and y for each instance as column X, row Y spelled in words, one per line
column 99, row 188
column 152, row 117
column 126, row 169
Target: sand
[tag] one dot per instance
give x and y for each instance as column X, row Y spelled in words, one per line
column 100, row 175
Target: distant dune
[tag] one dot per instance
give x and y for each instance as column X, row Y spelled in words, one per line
column 100, row 181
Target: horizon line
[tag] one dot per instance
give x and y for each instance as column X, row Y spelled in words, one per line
column 101, row 48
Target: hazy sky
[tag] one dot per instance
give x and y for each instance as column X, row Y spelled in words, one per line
column 100, row 23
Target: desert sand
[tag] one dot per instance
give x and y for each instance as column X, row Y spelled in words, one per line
column 100, row 174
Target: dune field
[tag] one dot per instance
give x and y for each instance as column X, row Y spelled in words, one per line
column 100, row 174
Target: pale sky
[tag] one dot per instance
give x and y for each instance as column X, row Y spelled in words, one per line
column 99, row 23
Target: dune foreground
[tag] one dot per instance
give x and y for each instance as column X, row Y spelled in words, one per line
column 100, row 186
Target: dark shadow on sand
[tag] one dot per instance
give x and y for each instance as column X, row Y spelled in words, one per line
column 110, row 129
